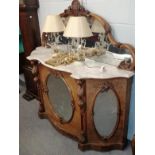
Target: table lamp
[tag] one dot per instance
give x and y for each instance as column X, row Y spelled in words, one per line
column 53, row 24
column 77, row 28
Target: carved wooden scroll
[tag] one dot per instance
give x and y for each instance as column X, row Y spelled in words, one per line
column 75, row 10
column 82, row 104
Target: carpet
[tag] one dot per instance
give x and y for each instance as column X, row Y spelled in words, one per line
column 39, row 137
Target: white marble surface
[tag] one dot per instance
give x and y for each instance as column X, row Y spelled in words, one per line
column 81, row 70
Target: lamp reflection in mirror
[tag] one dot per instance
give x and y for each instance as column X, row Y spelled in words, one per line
column 53, row 24
column 98, row 28
column 78, row 28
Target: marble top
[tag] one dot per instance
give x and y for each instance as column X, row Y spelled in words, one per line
column 89, row 69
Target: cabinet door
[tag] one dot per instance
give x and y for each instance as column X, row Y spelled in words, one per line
column 60, row 98
column 59, row 94
column 107, row 112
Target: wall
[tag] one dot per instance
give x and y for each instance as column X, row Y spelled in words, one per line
column 119, row 14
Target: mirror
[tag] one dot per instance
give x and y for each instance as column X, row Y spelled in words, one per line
column 105, row 113
column 114, row 56
column 60, row 97
column 101, row 47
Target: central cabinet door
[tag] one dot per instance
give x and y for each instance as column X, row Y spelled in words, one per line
column 60, row 97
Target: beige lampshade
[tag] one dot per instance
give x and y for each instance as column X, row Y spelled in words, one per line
column 97, row 27
column 77, row 27
column 53, row 23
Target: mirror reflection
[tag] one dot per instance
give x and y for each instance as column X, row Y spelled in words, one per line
column 105, row 113
column 92, row 45
column 59, row 97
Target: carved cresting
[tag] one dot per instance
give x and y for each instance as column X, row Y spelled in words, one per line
column 82, row 104
column 75, row 10
column 35, row 73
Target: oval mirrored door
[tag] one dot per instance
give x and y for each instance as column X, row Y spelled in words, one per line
column 105, row 113
column 59, row 97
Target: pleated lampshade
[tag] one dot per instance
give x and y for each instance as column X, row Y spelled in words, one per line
column 77, row 27
column 97, row 27
column 53, row 23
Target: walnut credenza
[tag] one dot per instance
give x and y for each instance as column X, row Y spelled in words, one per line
column 88, row 101
column 92, row 110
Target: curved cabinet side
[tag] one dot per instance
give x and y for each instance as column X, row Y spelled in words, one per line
column 71, row 127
